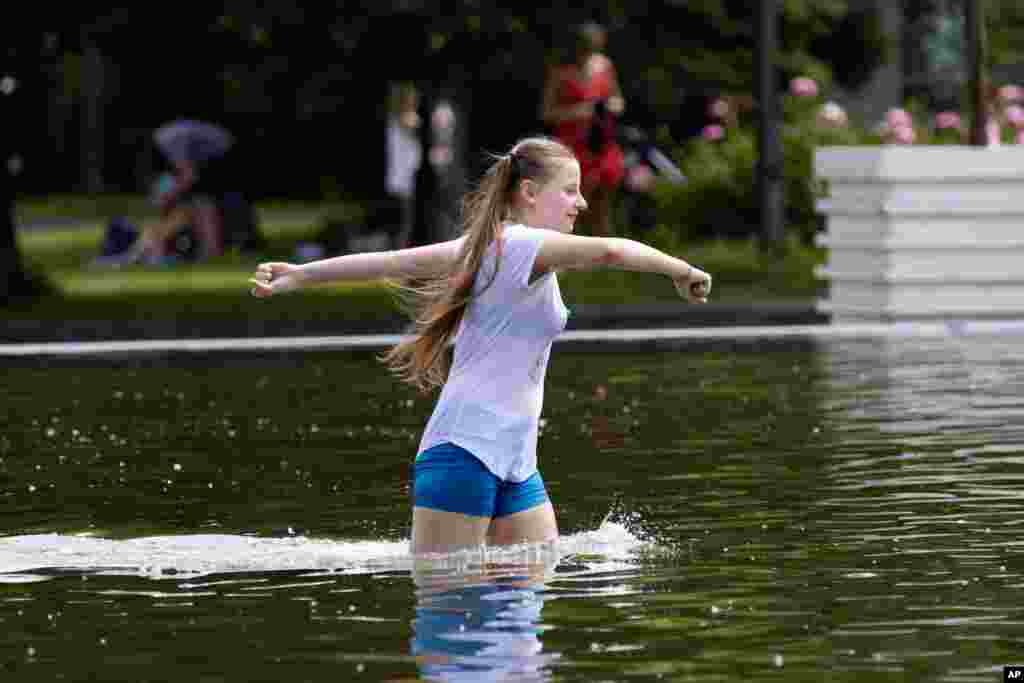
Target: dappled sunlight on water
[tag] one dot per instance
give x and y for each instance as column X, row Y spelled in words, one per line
column 780, row 511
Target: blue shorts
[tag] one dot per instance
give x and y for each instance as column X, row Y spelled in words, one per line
column 449, row 478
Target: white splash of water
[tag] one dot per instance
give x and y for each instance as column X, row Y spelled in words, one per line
column 40, row 556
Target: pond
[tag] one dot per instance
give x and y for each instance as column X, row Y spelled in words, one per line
column 760, row 510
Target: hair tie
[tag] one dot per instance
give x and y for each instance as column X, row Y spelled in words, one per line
column 515, row 163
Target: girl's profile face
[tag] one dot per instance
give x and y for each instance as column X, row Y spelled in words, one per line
column 554, row 205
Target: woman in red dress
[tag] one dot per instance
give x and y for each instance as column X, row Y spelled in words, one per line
column 581, row 101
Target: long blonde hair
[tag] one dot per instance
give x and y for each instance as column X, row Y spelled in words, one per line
column 437, row 306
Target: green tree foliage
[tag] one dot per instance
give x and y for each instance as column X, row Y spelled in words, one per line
column 720, row 197
column 304, row 84
column 308, row 80
column 1005, row 32
column 853, row 47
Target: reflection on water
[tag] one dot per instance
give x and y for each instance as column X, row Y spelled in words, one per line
column 482, row 625
column 782, row 510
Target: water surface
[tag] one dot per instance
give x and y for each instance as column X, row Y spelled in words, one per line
column 755, row 511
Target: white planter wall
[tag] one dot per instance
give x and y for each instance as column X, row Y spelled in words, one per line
column 919, row 232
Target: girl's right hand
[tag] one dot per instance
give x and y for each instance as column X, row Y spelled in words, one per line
column 275, row 278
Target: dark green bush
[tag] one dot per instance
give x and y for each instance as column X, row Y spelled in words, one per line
column 720, row 198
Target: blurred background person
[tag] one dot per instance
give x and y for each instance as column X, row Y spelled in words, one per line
column 581, row 103
column 198, row 152
column 202, row 206
column 161, row 240
column 446, row 156
column 645, row 167
column 404, row 151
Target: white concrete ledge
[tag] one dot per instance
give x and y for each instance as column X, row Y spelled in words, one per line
column 888, row 279
column 919, row 163
column 864, row 330
column 886, row 245
column 921, row 231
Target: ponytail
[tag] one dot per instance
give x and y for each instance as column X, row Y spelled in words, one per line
column 437, row 306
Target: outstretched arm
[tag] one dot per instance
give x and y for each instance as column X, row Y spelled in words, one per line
column 184, row 178
column 559, row 251
column 551, row 112
column 433, row 259
column 616, row 103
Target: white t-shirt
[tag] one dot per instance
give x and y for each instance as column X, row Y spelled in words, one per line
column 403, row 156
column 491, row 403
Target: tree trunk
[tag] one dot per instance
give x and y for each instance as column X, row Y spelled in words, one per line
column 15, row 282
column 12, row 271
column 770, row 157
column 93, row 77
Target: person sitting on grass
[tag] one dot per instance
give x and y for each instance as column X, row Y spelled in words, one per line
column 155, row 243
column 493, row 293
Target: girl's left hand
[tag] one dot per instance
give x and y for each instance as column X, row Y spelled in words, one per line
column 275, row 278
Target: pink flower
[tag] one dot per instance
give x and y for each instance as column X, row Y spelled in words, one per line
column 803, row 87
column 1015, row 115
column 713, row 132
column 1011, row 93
column 946, row 120
column 902, row 135
column 898, row 127
column 831, row 114
column 640, row 178
column 896, row 118
column 1020, row 137
column 992, row 133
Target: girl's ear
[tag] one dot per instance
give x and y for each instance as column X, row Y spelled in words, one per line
column 528, row 191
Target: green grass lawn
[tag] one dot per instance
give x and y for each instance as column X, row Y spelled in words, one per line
column 218, row 288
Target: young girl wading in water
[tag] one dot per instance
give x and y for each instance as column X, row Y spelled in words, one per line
column 494, row 294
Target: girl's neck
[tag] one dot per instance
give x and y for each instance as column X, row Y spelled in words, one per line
column 515, row 219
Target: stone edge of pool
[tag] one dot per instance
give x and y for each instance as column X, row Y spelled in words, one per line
column 918, row 329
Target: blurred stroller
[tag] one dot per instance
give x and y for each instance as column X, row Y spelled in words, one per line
column 646, row 165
